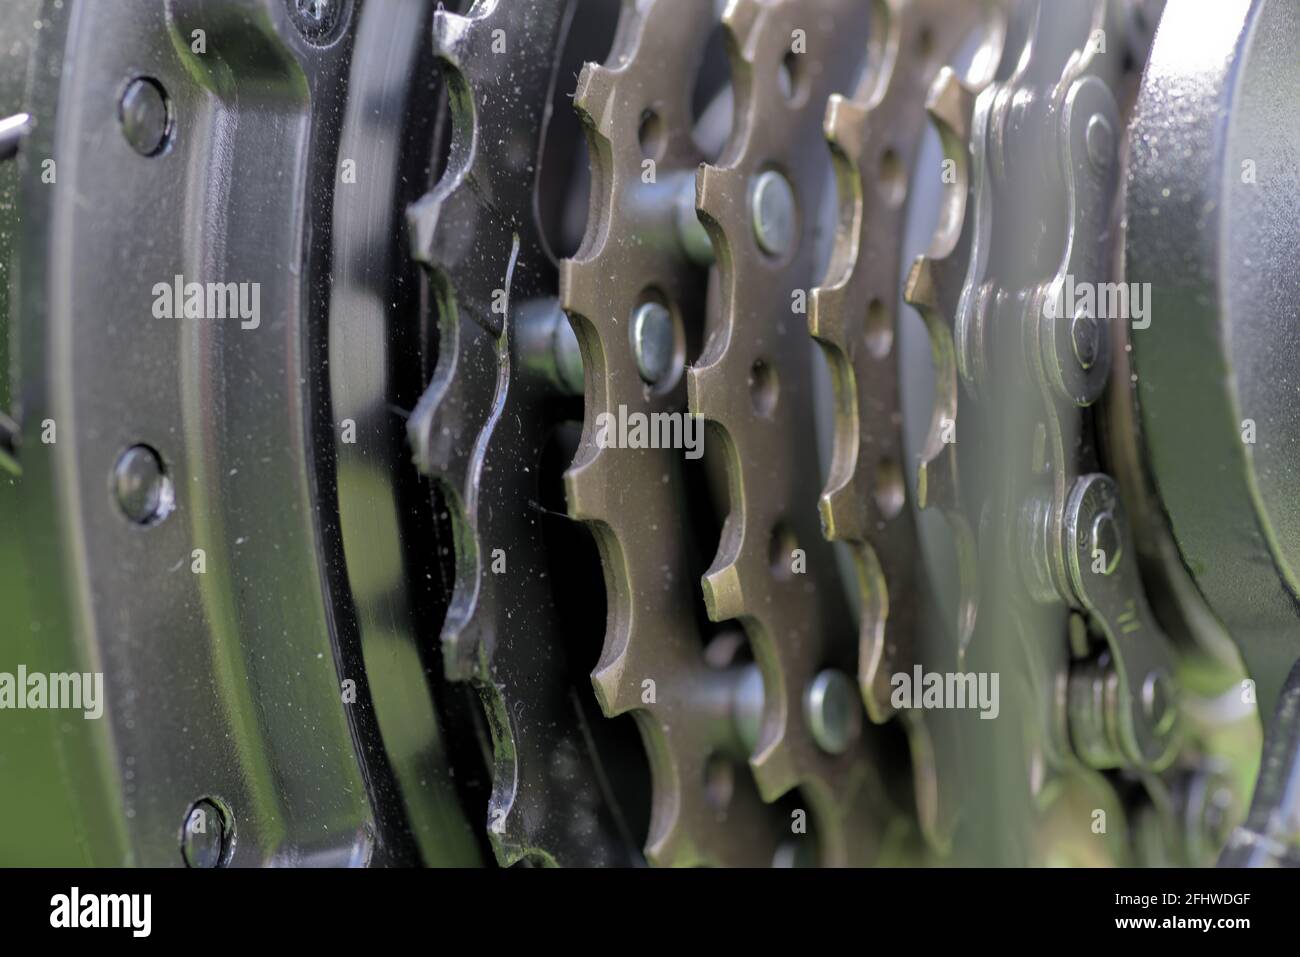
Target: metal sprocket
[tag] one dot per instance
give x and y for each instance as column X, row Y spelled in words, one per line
column 481, row 426
column 654, row 663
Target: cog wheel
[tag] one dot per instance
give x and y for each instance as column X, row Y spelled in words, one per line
column 633, row 499
column 480, row 427
column 227, row 545
column 759, row 207
column 934, row 288
column 875, row 136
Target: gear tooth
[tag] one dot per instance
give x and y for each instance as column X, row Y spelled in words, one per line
column 878, row 656
column 464, row 40
column 577, row 296
column 422, row 219
column 459, row 642
column 842, row 512
column 873, row 682
column 584, row 487
column 437, row 218
column 609, row 680
column 451, row 36
column 845, row 119
column 951, row 104
column 924, row 486
column 773, row 768
column 596, row 96
column 715, row 193
column 572, row 272
column 703, row 384
column 724, row 593
column 934, row 486
column 742, row 19
column 829, row 316
column 919, row 290
column 506, row 831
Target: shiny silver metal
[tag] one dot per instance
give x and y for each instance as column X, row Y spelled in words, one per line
column 775, row 213
column 145, row 112
column 204, row 838
column 141, row 486
column 1140, row 700
column 834, row 711
column 653, row 341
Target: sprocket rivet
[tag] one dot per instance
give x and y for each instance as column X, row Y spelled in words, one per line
column 834, row 711
column 773, row 209
column 653, row 341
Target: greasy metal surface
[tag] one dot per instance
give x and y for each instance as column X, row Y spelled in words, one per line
column 875, row 136
column 480, row 428
column 797, row 622
column 634, row 500
column 1212, row 214
column 211, row 677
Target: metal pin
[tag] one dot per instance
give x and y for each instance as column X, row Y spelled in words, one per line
column 834, row 711
column 773, row 208
column 653, row 341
